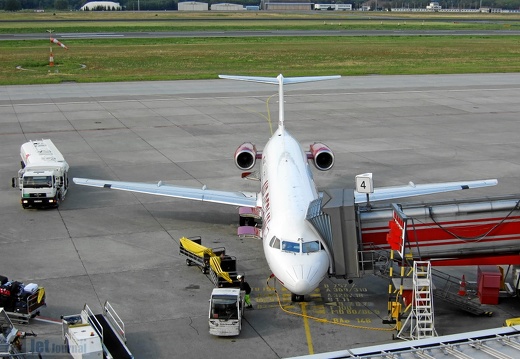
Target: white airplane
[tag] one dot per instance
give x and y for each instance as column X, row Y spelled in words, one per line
column 296, row 253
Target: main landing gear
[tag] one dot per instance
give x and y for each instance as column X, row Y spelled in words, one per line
column 247, row 221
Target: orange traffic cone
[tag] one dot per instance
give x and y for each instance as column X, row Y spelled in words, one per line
column 462, row 288
column 51, row 60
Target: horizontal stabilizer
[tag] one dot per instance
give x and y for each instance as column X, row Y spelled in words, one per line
column 275, row 80
column 245, row 199
column 388, row 193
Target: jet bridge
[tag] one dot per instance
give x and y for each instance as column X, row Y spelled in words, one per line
column 457, row 232
column 344, row 242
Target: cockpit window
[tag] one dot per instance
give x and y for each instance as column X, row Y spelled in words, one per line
column 309, row 247
column 275, row 242
column 291, row 247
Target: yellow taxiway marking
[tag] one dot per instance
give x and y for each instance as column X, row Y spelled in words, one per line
column 307, row 328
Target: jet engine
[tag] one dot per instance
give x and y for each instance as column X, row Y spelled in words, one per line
column 245, row 156
column 322, row 156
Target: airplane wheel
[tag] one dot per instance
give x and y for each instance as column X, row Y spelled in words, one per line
column 297, row 298
column 247, row 221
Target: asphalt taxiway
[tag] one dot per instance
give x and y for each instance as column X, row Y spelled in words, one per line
column 258, row 33
column 123, row 247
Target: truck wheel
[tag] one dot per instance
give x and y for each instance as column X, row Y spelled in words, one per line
column 188, row 262
column 204, row 270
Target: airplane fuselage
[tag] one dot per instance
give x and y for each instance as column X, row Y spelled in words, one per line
column 293, row 248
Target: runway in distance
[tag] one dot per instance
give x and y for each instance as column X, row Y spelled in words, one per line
column 296, row 252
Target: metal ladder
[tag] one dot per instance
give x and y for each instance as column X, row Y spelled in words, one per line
column 421, row 318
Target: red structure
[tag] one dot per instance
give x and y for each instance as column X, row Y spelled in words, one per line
column 488, row 284
column 473, row 233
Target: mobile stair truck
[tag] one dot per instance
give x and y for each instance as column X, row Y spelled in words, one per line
column 98, row 336
column 226, row 310
column 42, row 180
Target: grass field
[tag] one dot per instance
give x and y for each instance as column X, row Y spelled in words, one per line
column 101, row 60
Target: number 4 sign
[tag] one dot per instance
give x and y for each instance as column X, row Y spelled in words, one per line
column 364, row 183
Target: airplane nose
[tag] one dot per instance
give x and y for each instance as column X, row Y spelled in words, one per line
column 302, row 287
column 303, row 278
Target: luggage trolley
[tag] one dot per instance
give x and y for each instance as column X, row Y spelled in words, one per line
column 21, row 303
column 228, row 264
column 199, row 255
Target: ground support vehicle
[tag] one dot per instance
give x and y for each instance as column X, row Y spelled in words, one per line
column 226, row 310
column 90, row 335
column 11, row 343
column 195, row 253
column 43, row 179
column 8, row 337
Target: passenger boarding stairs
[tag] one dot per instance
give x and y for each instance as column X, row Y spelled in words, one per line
column 421, row 318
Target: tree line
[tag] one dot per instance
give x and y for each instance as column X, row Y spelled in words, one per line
column 151, row 5
column 132, row 5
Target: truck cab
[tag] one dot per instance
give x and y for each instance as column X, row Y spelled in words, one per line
column 42, row 188
column 226, row 310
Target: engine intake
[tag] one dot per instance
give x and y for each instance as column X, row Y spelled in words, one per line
column 245, row 156
column 322, row 156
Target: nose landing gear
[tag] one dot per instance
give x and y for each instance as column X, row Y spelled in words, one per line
column 297, row 298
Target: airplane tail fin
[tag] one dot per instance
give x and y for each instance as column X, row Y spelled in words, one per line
column 280, row 81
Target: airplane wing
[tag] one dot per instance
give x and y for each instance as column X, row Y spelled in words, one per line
column 386, row 193
column 244, row 199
